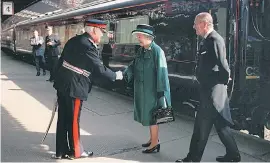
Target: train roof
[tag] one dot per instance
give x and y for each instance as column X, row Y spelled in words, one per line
column 89, row 10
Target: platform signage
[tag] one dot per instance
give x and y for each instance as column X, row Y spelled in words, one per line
column 7, row 8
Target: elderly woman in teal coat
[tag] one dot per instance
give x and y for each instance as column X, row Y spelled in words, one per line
column 149, row 73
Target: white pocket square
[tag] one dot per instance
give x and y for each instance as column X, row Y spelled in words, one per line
column 203, row 52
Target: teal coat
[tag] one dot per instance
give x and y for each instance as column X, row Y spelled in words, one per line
column 149, row 73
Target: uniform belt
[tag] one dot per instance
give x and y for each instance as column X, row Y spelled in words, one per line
column 76, row 69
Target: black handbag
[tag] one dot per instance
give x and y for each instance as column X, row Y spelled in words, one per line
column 163, row 114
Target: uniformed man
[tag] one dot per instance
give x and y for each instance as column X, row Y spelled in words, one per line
column 213, row 75
column 52, row 43
column 78, row 65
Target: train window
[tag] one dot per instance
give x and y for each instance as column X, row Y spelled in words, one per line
column 125, row 26
column 219, row 18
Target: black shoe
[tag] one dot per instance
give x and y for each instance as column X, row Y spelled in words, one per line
column 157, row 147
column 228, row 158
column 147, row 144
column 50, row 80
column 59, row 157
column 38, row 74
column 184, row 160
column 85, row 154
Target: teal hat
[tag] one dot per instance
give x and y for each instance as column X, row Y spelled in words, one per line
column 144, row 29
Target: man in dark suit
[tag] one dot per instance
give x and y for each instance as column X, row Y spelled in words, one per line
column 77, row 67
column 52, row 43
column 38, row 52
column 107, row 50
column 213, row 75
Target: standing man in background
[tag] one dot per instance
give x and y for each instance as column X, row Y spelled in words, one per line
column 213, row 74
column 38, row 52
column 107, row 50
column 76, row 70
column 52, row 43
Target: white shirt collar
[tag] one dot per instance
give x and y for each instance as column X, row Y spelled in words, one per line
column 93, row 43
column 209, row 31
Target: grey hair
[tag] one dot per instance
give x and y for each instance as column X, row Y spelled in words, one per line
column 149, row 37
column 205, row 17
column 88, row 29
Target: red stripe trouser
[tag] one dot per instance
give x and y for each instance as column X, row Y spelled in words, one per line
column 68, row 126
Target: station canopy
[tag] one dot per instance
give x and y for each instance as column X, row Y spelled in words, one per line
column 46, row 7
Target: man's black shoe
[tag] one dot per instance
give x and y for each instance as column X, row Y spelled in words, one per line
column 38, row 74
column 59, row 157
column 85, row 154
column 50, row 80
column 184, row 160
column 228, row 158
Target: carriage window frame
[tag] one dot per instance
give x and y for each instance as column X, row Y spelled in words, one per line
column 123, row 34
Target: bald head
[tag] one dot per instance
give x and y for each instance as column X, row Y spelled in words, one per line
column 203, row 23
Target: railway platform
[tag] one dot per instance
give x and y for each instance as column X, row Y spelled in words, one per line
column 107, row 125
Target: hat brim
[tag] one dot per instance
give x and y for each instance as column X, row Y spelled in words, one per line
column 142, row 32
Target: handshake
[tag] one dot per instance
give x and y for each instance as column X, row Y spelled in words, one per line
column 119, row 75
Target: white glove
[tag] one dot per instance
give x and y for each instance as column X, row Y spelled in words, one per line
column 119, row 75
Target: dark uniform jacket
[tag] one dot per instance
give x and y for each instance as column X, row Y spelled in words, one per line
column 79, row 51
column 213, row 73
column 52, row 50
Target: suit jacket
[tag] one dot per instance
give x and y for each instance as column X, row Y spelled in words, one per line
column 80, row 51
column 213, row 75
column 52, row 50
column 36, row 44
column 212, row 67
column 107, row 50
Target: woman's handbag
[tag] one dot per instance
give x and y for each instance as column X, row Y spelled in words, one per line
column 163, row 114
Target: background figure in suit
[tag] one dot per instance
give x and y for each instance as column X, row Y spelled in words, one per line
column 107, row 50
column 52, row 43
column 76, row 70
column 213, row 75
column 107, row 53
column 36, row 42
